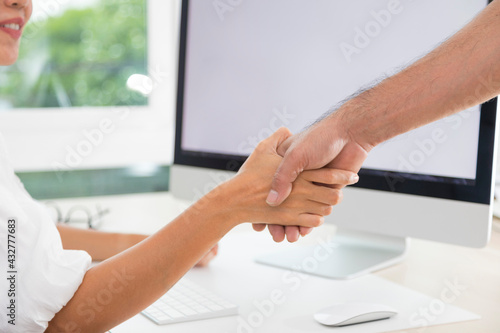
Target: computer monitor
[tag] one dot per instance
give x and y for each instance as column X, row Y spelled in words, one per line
column 249, row 67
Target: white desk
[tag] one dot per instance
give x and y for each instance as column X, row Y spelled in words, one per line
column 426, row 269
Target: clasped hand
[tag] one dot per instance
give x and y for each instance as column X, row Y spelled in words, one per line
column 313, row 193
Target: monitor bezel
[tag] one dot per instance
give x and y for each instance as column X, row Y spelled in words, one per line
column 388, row 181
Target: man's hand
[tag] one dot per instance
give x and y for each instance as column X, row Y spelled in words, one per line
column 326, row 144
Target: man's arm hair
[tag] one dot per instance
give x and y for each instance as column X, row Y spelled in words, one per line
column 462, row 72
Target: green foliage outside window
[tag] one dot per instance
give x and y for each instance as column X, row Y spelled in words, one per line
column 82, row 57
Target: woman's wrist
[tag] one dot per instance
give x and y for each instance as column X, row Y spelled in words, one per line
column 223, row 204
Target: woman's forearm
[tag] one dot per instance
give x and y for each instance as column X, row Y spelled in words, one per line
column 122, row 286
column 463, row 72
column 100, row 245
column 127, row 283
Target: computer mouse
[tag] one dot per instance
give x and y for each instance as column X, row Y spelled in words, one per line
column 353, row 313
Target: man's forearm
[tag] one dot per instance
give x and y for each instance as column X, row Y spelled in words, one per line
column 462, row 72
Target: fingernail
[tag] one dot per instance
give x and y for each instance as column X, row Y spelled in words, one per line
column 272, row 198
column 354, row 179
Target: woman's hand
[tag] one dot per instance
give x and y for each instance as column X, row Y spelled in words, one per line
column 309, row 201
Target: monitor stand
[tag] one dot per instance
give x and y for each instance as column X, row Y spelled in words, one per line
column 348, row 254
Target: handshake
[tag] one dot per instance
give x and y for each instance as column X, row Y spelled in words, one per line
column 290, row 183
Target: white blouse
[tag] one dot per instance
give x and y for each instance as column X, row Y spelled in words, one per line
column 37, row 277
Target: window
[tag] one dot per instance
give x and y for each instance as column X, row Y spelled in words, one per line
column 44, row 136
column 79, row 53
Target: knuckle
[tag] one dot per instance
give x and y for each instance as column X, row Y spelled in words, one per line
column 283, row 131
column 335, row 197
column 297, row 156
column 342, row 178
column 327, row 210
column 346, row 177
column 294, row 153
column 261, row 146
column 299, row 189
column 332, row 197
column 291, row 230
column 280, row 177
column 276, row 230
column 331, row 177
column 317, row 221
column 340, row 197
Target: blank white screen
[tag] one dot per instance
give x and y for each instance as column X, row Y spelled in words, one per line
column 267, row 63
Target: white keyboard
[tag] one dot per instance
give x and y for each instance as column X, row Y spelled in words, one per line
column 187, row 301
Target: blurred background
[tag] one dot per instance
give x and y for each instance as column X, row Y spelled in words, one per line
column 79, row 56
